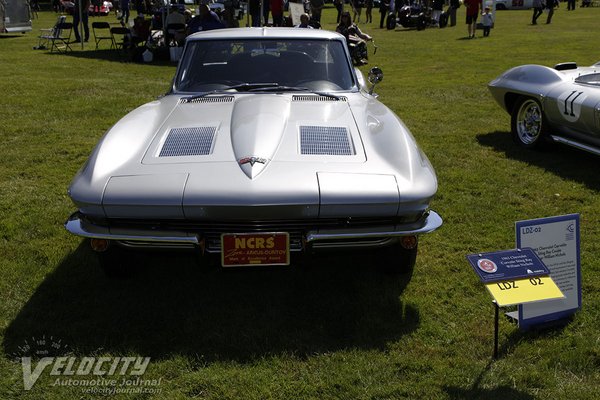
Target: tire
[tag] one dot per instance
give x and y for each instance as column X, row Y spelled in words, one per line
column 421, row 22
column 398, row 260
column 528, row 124
column 443, row 20
column 390, row 22
column 116, row 262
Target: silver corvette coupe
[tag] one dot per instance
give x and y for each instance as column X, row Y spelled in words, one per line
column 560, row 104
column 268, row 144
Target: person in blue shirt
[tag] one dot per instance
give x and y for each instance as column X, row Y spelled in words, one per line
column 207, row 20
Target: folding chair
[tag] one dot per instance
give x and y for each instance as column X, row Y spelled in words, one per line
column 124, row 35
column 61, row 38
column 102, row 32
column 48, row 33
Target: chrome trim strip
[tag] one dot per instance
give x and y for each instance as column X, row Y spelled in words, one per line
column 431, row 222
column 577, row 145
column 80, row 227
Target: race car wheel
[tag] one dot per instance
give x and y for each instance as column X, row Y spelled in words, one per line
column 527, row 122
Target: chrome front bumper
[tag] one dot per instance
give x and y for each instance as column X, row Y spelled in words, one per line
column 324, row 238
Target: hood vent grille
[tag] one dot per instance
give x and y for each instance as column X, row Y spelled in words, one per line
column 182, row 142
column 309, row 97
column 325, row 140
column 207, row 99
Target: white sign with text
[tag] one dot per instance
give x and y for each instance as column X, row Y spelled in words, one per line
column 556, row 242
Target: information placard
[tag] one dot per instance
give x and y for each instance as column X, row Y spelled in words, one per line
column 556, row 241
column 537, row 288
column 507, row 265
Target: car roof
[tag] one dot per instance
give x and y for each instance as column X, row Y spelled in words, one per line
column 265, row 32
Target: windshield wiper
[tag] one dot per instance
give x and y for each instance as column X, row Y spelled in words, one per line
column 263, row 87
column 295, row 89
column 242, row 87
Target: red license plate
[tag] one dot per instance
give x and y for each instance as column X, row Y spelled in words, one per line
column 248, row 249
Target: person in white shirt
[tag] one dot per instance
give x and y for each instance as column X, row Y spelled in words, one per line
column 487, row 20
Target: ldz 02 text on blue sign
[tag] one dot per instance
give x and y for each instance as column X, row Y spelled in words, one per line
column 507, row 265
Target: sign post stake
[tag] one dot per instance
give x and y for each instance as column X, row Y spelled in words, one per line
column 496, row 313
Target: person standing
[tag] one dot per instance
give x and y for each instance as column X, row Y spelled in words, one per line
column 277, row 12
column 454, row 5
column 438, row 5
column 570, row 5
column 538, row 9
column 124, row 11
column 339, row 6
column 487, row 20
column 254, row 10
column 266, row 9
column 551, row 5
column 357, row 6
column 384, row 7
column 472, row 13
column 85, row 6
column 316, row 7
column 369, row 11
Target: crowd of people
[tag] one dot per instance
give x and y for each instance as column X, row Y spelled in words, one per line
column 176, row 21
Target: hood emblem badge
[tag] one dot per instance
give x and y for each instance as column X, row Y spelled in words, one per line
column 252, row 160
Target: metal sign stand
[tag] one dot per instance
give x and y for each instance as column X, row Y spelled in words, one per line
column 496, row 318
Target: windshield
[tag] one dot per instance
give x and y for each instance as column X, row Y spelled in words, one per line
column 210, row 65
column 591, row 79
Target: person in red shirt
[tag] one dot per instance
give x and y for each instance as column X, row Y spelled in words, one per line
column 472, row 14
column 277, row 12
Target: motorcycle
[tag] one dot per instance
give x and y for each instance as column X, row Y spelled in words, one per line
column 415, row 15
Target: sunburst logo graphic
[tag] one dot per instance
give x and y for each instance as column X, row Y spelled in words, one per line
column 487, row 265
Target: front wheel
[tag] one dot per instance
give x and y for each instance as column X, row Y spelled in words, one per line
column 115, row 261
column 527, row 123
column 401, row 257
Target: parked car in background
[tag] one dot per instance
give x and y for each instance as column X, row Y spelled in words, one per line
column 269, row 143
column 560, row 104
column 15, row 16
column 511, row 4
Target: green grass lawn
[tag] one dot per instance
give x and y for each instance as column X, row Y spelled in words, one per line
column 339, row 330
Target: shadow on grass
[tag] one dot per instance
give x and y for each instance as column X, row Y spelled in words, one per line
column 476, row 392
column 115, row 55
column 564, row 161
column 175, row 307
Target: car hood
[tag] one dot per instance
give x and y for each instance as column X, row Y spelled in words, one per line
column 256, row 156
column 254, row 130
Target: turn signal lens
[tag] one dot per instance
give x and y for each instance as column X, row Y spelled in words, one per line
column 408, row 242
column 99, row 245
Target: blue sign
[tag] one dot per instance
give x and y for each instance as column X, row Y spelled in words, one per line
column 507, row 265
column 556, row 241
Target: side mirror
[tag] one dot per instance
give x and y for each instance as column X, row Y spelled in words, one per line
column 375, row 76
